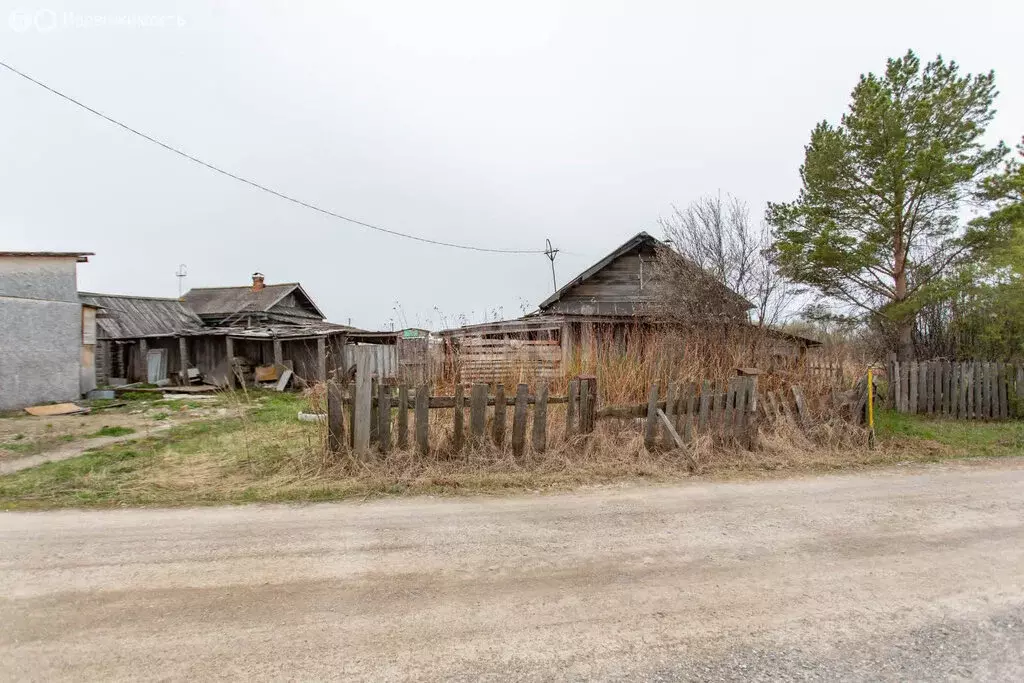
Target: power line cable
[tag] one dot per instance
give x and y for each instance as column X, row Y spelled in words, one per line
column 258, row 186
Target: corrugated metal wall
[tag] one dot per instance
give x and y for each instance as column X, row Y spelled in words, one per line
column 385, row 358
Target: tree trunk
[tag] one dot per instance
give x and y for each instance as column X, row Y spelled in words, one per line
column 905, row 350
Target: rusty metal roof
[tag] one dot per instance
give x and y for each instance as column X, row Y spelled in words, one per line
column 132, row 317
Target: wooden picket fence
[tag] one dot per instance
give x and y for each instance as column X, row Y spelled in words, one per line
column 378, row 417
column 964, row 391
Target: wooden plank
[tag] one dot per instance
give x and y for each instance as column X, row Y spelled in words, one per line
column 477, row 414
column 363, row 399
column 905, row 387
column 740, row 427
column 571, row 414
column 1020, row 390
column 588, row 403
column 705, row 406
column 651, row 427
column 914, row 386
column 321, row 359
column 666, row 423
column 672, row 408
column 729, row 419
column 930, row 385
column 972, row 391
column 989, row 387
column 374, row 412
column 961, row 391
column 519, row 420
column 403, row 417
column 940, row 388
column 1004, row 406
column 716, row 406
column 229, row 349
column 335, row 423
column 500, row 411
column 922, row 388
column 540, row 420
column 423, row 419
column 801, row 406
column 691, row 408
column 278, row 353
column 384, row 418
column 459, row 421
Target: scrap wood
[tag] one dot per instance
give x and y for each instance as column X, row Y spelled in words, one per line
column 56, row 409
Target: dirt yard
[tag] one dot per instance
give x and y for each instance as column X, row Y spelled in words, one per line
column 27, row 439
column 909, row 573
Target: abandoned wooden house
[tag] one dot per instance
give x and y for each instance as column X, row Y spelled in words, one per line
column 151, row 339
column 601, row 308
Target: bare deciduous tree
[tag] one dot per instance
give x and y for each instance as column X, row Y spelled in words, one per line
column 716, row 233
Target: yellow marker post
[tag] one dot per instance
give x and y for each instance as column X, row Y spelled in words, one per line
column 871, row 410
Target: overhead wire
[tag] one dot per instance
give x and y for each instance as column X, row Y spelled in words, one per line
column 259, row 186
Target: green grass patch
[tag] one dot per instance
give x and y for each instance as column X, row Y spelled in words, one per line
column 966, row 438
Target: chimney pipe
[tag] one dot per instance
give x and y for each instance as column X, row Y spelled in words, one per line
column 257, row 282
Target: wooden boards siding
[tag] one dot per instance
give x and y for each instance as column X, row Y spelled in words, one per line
column 490, row 360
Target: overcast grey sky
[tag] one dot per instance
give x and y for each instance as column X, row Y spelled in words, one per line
column 495, row 124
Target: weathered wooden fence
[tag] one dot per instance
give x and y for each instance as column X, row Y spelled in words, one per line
column 964, row 391
column 378, row 415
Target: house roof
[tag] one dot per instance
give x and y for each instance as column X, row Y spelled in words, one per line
column 640, row 239
column 80, row 256
column 227, row 301
column 132, row 317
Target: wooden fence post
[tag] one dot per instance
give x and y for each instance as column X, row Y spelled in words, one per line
column 500, row 410
column 363, row 401
column 459, row 421
column 384, row 417
column 730, row 407
column 374, row 413
column 972, row 390
column 1004, row 405
column 335, row 423
column 350, row 414
column 540, row 420
column 651, row 427
column 905, row 387
column 913, row 387
column 477, row 414
column 403, row 416
column 571, row 414
column 801, row 408
column 671, row 405
column 588, row 403
column 1020, row 390
column 519, row 420
column 742, row 388
column 705, row 406
column 691, row 408
column 423, row 419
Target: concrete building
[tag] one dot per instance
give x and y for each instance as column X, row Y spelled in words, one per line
column 47, row 337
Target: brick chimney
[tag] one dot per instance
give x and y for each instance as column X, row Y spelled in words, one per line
column 257, row 282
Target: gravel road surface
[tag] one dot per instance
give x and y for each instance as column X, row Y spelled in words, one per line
column 899, row 574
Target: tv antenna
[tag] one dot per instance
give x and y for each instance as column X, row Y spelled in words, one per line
column 551, row 253
column 182, row 272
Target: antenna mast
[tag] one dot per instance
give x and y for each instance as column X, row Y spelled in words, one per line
column 551, row 253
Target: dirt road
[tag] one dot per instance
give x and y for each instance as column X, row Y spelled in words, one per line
column 897, row 574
